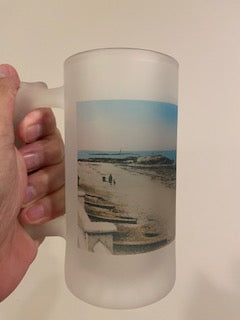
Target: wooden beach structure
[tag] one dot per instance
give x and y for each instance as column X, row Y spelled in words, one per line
column 93, row 236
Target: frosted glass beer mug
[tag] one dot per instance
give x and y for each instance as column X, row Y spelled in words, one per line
column 120, row 151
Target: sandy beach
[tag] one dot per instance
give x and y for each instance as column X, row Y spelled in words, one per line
column 139, row 199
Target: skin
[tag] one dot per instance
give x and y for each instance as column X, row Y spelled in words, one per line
column 31, row 181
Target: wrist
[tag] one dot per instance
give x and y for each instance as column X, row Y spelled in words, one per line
column 16, row 254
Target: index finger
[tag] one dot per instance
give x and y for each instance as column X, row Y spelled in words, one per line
column 37, row 124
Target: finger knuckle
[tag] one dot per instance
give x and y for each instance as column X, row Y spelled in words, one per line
column 48, row 117
column 60, row 148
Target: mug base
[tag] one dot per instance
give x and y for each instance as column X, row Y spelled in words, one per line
column 122, row 282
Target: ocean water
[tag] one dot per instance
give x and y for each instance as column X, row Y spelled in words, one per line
column 121, row 154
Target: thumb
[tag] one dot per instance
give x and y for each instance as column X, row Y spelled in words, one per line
column 9, row 84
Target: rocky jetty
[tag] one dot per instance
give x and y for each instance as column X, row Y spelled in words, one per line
column 154, row 160
column 148, row 160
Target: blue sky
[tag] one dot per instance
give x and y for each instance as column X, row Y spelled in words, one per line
column 126, row 125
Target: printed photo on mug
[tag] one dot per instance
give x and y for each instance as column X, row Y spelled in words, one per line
column 126, row 175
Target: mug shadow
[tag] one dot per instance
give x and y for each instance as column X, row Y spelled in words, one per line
column 211, row 302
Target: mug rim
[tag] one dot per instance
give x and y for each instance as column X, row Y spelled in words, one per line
column 73, row 57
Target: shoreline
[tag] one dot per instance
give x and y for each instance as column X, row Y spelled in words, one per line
column 157, row 166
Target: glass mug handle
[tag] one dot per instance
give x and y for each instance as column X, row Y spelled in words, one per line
column 29, row 97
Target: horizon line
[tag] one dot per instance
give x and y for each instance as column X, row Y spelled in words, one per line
column 126, row 150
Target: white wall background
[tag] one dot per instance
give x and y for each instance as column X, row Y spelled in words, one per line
column 203, row 35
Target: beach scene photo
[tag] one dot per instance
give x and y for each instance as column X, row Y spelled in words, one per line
column 126, row 175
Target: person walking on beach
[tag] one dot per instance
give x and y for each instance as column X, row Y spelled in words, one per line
column 110, row 179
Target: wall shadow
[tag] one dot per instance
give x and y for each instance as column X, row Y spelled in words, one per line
column 211, row 302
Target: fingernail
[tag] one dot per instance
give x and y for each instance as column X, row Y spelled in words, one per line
column 2, row 75
column 32, row 161
column 30, row 194
column 35, row 213
column 4, row 71
column 33, row 132
column 7, row 71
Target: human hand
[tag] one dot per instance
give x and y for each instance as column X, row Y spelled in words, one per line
column 31, row 181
